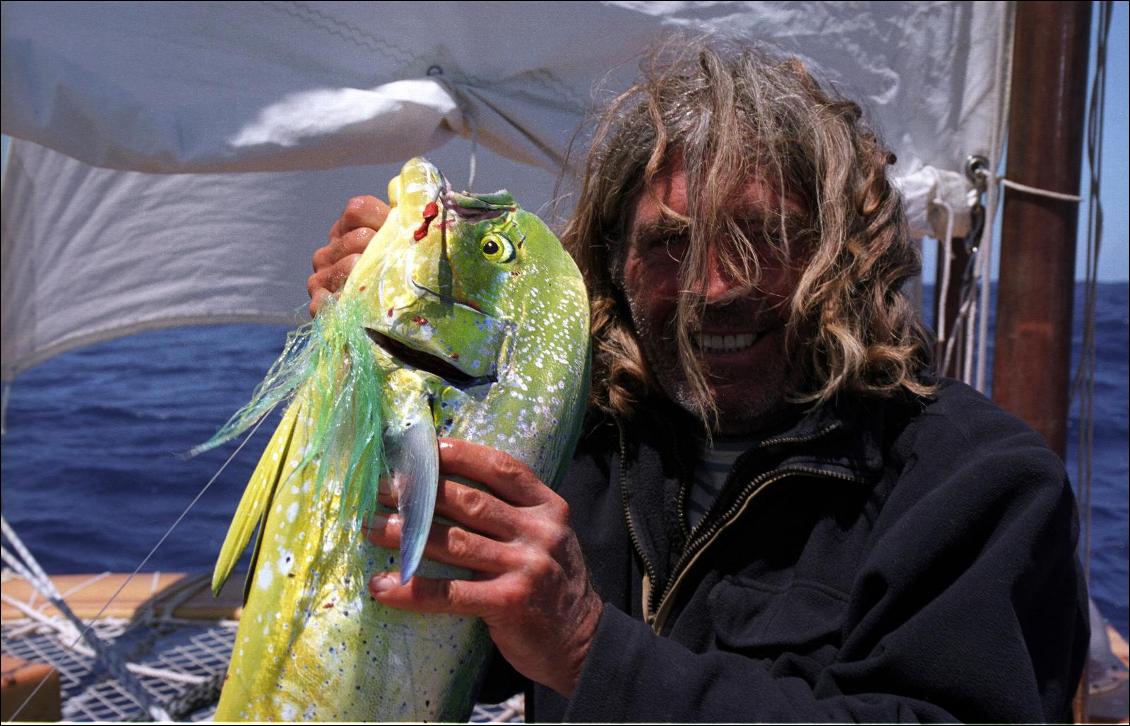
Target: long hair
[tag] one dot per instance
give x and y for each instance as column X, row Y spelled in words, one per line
column 729, row 113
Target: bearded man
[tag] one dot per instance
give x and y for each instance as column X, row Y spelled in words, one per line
column 776, row 512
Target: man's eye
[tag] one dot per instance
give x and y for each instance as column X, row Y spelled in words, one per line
column 676, row 249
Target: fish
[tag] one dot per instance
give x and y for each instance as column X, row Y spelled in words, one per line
column 463, row 318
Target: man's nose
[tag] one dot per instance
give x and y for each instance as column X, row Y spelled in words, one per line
column 720, row 285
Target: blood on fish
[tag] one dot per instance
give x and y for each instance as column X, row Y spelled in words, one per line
column 430, row 213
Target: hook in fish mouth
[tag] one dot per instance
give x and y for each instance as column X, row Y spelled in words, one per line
column 427, row 362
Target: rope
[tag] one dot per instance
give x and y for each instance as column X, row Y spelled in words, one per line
column 67, row 631
column 1083, row 384
column 992, row 193
column 946, row 245
column 85, row 584
column 1038, row 192
column 967, row 304
column 29, row 568
column 41, row 582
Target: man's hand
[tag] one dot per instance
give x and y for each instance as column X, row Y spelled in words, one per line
column 532, row 586
column 349, row 237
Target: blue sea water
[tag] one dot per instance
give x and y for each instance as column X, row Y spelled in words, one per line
column 94, row 471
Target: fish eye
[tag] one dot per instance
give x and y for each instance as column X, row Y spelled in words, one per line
column 497, row 248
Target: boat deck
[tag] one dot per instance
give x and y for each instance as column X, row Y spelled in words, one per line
column 175, row 636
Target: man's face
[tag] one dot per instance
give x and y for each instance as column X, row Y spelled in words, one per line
column 742, row 341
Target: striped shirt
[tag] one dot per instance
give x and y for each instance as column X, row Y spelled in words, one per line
column 710, row 473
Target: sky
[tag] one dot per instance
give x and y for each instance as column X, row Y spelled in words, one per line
column 1114, row 256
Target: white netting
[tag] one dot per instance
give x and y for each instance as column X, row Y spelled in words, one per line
column 89, row 693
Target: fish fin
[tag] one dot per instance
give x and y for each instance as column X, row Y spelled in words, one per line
column 256, row 500
column 249, row 580
column 414, row 464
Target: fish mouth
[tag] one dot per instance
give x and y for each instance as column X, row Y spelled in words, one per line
column 426, row 362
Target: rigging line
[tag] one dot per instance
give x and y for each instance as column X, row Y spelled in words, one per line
column 27, row 566
column 967, row 307
column 1083, row 383
column 973, row 282
column 963, row 321
column 87, row 626
column 983, row 275
column 66, row 629
column 967, row 346
column 947, row 248
column 1039, row 192
column 1004, row 65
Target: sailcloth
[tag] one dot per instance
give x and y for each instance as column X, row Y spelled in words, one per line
column 177, row 163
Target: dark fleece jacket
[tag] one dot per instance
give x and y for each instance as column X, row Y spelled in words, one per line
column 908, row 560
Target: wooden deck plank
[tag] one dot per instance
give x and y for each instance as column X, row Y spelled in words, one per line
column 87, row 595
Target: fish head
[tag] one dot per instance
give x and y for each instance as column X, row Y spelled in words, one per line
column 449, row 276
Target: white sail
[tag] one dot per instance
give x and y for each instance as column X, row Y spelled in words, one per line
column 177, row 163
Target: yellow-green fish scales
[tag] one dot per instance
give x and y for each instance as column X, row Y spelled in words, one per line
column 481, row 284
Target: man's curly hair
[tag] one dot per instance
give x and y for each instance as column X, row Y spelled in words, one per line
column 730, row 113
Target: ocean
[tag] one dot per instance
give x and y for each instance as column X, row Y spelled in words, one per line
column 94, row 466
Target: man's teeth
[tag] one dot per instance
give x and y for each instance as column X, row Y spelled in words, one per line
column 727, row 343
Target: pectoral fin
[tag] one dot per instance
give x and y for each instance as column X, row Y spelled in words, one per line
column 413, row 457
column 256, row 499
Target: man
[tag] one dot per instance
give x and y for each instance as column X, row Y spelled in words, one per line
column 775, row 513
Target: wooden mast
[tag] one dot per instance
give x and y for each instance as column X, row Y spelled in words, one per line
column 1035, row 295
column 1032, row 362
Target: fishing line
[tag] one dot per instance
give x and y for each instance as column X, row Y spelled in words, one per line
column 183, row 515
column 86, row 627
column 468, row 110
column 4, row 396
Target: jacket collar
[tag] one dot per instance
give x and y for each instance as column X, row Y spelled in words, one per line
column 844, row 438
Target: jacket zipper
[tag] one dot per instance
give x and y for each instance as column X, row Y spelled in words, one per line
column 703, row 538
column 649, row 569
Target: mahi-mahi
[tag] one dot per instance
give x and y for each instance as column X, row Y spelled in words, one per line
column 463, row 318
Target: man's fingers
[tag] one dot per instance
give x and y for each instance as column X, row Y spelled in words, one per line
column 449, row 544
column 505, row 476
column 328, row 281
column 364, row 211
column 333, row 277
column 352, row 243
column 473, row 508
column 427, row 595
column 355, row 241
column 317, row 297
